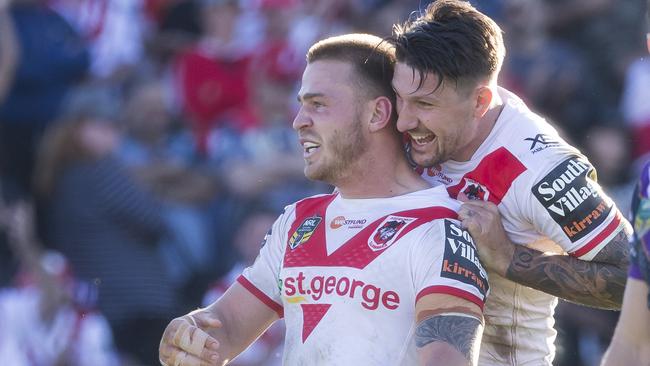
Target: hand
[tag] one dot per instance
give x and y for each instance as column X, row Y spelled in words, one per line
column 483, row 221
column 186, row 342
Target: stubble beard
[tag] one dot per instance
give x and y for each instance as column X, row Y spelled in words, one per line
column 346, row 148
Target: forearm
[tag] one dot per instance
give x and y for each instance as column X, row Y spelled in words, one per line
column 595, row 284
column 243, row 320
column 623, row 352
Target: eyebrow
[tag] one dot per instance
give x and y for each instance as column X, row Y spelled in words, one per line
column 308, row 96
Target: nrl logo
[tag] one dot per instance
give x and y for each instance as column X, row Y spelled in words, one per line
column 475, row 190
column 304, row 231
column 384, row 236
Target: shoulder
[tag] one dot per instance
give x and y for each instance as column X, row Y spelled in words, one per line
column 529, row 137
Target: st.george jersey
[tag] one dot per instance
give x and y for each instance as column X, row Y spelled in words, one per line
column 346, row 274
column 546, row 192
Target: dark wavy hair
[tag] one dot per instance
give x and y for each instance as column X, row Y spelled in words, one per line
column 453, row 41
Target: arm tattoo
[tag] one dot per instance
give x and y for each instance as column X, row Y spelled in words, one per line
column 599, row 283
column 461, row 332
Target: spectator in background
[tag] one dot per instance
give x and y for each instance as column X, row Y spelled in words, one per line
column 213, row 75
column 160, row 156
column 635, row 107
column 113, row 30
column 48, row 318
column 108, row 227
column 599, row 32
column 51, row 59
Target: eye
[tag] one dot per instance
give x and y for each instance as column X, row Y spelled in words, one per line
column 424, row 104
column 316, row 104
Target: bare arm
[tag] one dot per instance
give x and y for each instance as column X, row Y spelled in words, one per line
column 598, row 283
column 631, row 342
column 448, row 329
column 222, row 330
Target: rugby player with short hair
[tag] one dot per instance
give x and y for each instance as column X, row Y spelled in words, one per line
column 565, row 237
column 377, row 273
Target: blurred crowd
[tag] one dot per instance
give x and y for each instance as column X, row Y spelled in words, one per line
column 146, row 148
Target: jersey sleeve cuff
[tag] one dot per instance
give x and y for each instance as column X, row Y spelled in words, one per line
column 453, row 291
column 596, row 244
column 248, row 285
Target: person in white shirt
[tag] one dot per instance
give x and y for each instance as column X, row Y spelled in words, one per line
column 378, row 272
column 565, row 237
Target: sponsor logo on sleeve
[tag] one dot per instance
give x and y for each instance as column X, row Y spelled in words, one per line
column 460, row 261
column 385, row 234
column 572, row 198
column 541, row 142
column 304, row 231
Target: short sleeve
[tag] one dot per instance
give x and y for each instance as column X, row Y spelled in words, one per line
column 262, row 278
column 569, row 206
column 445, row 261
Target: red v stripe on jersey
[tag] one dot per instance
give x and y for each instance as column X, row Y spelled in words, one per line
column 312, row 314
column 496, row 172
column 355, row 252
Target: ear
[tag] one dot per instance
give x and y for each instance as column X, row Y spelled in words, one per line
column 381, row 114
column 483, row 100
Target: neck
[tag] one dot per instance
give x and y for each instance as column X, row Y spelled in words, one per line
column 485, row 126
column 382, row 172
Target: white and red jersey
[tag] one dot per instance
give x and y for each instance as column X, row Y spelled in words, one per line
column 547, row 193
column 346, row 274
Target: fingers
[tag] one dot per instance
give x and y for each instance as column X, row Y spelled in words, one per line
column 480, row 204
column 182, row 358
column 476, row 218
column 185, row 344
column 204, row 319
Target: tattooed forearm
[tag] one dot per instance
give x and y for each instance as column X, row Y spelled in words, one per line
column 599, row 283
column 461, row 332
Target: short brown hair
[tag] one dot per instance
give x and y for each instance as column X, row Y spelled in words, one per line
column 453, row 41
column 372, row 58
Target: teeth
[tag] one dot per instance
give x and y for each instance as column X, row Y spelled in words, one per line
column 422, row 139
column 308, row 146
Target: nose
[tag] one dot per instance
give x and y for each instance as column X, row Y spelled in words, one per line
column 406, row 120
column 301, row 120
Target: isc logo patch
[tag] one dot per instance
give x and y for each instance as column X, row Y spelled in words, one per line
column 572, row 198
column 304, row 231
column 461, row 261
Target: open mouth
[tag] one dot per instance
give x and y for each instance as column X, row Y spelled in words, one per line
column 309, row 148
column 422, row 139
